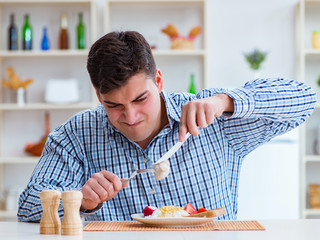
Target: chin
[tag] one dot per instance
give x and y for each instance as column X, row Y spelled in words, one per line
column 136, row 138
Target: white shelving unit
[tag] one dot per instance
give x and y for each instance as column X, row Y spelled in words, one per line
column 308, row 20
column 20, row 125
column 148, row 17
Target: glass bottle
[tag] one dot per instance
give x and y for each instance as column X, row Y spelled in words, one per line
column 26, row 34
column 81, row 33
column 64, row 36
column 192, row 85
column 12, row 35
column 45, row 44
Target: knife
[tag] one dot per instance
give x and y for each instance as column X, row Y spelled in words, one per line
column 172, row 150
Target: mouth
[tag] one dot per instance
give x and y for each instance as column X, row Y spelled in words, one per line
column 133, row 125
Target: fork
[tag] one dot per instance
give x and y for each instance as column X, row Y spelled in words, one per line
column 135, row 173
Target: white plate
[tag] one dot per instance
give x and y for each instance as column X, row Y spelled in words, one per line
column 173, row 221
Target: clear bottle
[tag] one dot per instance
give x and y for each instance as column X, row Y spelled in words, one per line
column 64, row 36
column 192, row 85
column 26, row 34
column 45, row 44
column 81, row 33
column 12, row 35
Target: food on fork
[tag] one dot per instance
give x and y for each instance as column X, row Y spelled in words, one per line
column 161, row 170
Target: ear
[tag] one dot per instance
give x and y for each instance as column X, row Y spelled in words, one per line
column 159, row 81
column 98, row 95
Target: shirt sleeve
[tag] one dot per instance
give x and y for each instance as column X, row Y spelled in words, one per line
column 265, row 108
column 59, row 168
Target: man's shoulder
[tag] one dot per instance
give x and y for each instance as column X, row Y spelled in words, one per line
column 85, row 118
column 90, row 114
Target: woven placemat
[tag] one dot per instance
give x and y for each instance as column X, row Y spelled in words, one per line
column 212, row 226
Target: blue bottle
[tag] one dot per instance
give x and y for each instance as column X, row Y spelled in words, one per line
column 45, row 44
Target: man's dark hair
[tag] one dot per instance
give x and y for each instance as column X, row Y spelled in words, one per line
column 116, row 57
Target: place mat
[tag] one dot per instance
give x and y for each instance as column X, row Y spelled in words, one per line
column 212, row 226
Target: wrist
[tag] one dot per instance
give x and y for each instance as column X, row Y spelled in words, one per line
column 89, row 211
column 227, row 103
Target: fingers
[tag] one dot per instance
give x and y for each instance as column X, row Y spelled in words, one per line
column 182, row 126
column 124, row 185
column 194, row 115
column 100, row 187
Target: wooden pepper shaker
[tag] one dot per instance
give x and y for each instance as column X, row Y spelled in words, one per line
column 50, row 221
column 71, row 223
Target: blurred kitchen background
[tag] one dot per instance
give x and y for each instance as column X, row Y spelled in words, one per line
column 279, row 180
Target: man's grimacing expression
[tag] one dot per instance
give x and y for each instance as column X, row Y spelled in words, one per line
column 135, row 108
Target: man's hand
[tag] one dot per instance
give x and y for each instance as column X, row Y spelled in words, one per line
column 102, row 186
column 202, row 112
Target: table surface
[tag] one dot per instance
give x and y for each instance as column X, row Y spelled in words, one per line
column 275, row 229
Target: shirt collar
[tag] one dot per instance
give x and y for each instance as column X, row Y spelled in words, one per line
column 173, row 110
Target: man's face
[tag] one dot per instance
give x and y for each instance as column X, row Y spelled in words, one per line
column 135, row 109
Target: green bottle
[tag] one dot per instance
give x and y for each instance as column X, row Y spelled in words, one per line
column 26, row 34
column 192, row 86
column 81, row 33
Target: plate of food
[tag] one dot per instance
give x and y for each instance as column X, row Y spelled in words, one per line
column 177, row 216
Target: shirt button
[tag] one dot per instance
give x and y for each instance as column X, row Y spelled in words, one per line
column 145, row 160
column 152, row 191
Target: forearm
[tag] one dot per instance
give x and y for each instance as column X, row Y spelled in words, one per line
column 274, row 99
column 57, row 169
column 265, row 109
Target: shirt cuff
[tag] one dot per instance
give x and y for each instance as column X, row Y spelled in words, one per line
column 243, row 102
column 88, row 212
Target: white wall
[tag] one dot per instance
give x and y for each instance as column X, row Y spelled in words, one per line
column 237, row 27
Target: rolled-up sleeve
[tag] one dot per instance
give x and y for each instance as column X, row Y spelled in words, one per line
column 265, row 108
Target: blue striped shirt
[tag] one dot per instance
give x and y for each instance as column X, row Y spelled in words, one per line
column 204, row 172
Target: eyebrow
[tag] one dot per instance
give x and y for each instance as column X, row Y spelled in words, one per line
column 139, row 96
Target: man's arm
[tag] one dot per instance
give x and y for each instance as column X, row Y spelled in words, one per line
column 59, row 168
column 265, row 108
column 262, row 109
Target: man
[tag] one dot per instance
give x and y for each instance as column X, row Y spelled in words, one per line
column 137, row 122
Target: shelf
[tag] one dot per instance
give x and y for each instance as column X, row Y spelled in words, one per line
column 49, row 53
column 19, row 160
column 311, row 52
column 43, row 1
column 312, row 212
column 44, row 106
column 84, row 53
column 155, row 1
column 312, row 158
column 8, row 214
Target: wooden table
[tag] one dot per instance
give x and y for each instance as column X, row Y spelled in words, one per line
column 275, row 229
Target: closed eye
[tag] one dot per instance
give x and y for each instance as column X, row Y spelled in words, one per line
column 140, row 99
column 113, row 106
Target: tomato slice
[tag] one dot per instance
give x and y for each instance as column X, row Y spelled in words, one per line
column 190, row 209
column 201, row 209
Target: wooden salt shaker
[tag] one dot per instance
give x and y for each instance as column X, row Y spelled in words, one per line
column 71, row 223
column 50, row 221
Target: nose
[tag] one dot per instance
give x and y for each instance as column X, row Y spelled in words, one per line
column 130, row 115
